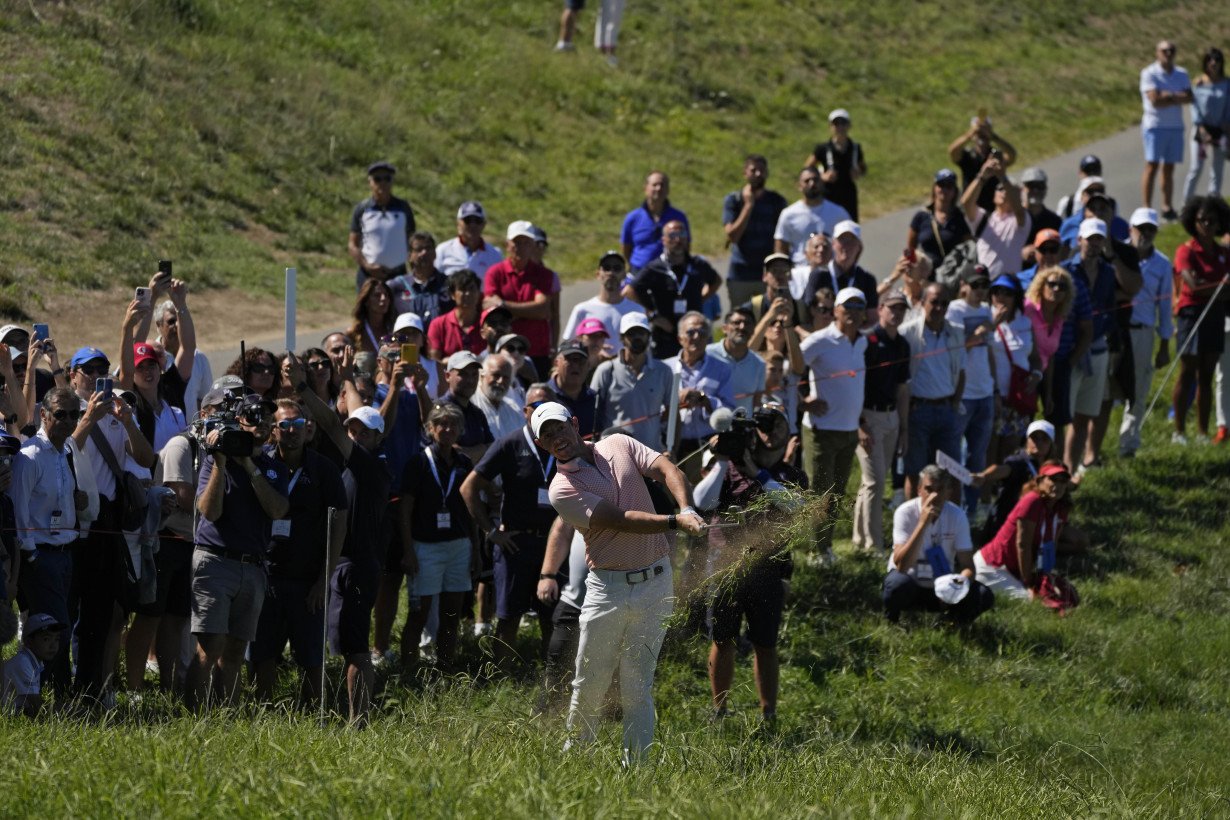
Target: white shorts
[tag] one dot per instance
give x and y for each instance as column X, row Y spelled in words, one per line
column 998, row 579
column 444, row 566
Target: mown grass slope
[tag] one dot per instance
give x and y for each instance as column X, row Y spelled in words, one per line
column 231, row 136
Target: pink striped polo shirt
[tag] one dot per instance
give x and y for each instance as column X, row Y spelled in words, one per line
column 616, row 475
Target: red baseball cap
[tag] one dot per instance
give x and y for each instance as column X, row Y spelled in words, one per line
column 1053, row 469
column 591, row 325
column 143, row 352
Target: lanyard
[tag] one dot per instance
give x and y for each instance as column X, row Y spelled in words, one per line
column 371, row 336
column 294, row 479
column 680, row 286
column 452, row 475
column 546, row 471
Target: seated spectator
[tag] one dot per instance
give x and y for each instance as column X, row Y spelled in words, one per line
column 1026, row 544
column 440, row 544
column 941, row 226
column 259, row 371
column 373, row 316
column 1008, row 477
column 422, row 290
column 641, row 236
column 931, row 541
column 459, row 328
column 468, row 250
column 21, row 692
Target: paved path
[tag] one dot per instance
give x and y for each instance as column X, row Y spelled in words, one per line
column 884, row 237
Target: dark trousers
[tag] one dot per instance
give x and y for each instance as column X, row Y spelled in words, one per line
column 45, row 586
column 561, row 654
column 902, row 592
column 99, row 576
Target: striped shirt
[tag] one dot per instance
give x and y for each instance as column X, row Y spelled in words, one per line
column 615, row 476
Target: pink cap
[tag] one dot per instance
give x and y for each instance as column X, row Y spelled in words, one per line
column 590, row 326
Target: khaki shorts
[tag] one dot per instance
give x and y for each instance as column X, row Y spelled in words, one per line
column 227, row 596
column 1089, row 389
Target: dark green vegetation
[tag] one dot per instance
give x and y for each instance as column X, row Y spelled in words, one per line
column 231, row 136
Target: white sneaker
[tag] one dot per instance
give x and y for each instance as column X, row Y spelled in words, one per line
column 1178, row 438
column 1201, row 438
column 612, row 61
column 482, row 629
column 564, row 46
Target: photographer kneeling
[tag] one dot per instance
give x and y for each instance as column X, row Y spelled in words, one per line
column 745, row 463
column 241, row 491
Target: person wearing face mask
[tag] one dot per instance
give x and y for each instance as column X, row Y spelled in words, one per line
column 633, row 388
column 610, row 305
column 1150, row 318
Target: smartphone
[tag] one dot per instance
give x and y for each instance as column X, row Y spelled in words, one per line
column 41, row 332
column 142, row 295
column 910, row 255
column 164, row 266
column 410, row 353
column 997, row 154
column 106, row 386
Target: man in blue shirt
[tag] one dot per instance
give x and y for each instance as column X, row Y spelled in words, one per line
column 749, row 217
column 641, row 235
column 422, row 290
column 239, row 500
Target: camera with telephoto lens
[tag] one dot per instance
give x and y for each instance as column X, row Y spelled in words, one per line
column 233, row 440
column 736, row 441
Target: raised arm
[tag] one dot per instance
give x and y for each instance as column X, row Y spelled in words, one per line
column 186, row 357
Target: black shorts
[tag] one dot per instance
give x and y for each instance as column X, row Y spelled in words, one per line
column 393, row 552
column 516, row 578
column 1210, row 336
column 758, row 596
column 174, row 564
column 285, row 617
column 575, row 5
column 1061, row 391
column 351, row 597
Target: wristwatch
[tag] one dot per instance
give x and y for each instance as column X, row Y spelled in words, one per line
column 546, row 576
column 672, row 523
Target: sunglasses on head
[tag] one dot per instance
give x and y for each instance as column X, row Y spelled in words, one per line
column 60, row 415
column 292, row 424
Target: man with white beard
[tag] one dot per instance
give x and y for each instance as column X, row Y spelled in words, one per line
column 504, row 413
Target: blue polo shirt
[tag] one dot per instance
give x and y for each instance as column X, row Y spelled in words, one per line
column 644, row 233
column 427, row 299
column 1101, row 296
column 1082, row 308
column 406, row 436
column 584, row 406
column 747, row 255
column 243, row 525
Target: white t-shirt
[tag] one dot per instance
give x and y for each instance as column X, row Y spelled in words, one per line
column 978, row 381
column 950, row 531
column 22, row 677
column 799, row 221
column 604, row 312
column 1001, row 241
column 175, row 464
column 838, row 375
column 452, row 255
column 1011, row 343
column 1153, row 78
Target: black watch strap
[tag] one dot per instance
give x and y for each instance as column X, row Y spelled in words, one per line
column 672, row 523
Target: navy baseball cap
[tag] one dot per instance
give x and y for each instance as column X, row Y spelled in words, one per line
column 945, row 175
column 1091, row 165
column 87, row 354
column 471, row 208
column 382, row 165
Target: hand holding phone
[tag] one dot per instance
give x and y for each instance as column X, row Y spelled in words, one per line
column 410, row 353
column 143, row 297
column 106, row 386
column 41, row 332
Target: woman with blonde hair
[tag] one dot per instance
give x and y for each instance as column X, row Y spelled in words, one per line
column 373, row 316
column 1047, row 303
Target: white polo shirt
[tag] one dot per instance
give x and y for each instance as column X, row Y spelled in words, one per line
column 838, row 374
column 950, row 531
column 799, row 221
column 1153, row 78
column 452, row 255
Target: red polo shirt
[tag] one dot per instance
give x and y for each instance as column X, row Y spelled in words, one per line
column 446, row 335
column 1208, row 268
column 521, row 286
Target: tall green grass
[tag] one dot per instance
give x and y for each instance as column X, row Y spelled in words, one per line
column 232, row 136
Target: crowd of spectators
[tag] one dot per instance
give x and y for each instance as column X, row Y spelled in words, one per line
column 203, row 525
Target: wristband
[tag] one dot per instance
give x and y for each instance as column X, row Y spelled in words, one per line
column 544, row 576
column 672, row 523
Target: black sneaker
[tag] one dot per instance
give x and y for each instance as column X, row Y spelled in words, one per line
column 1169, row 215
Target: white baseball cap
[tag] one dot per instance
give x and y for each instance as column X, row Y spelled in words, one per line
column 369, row 417
column 1041, row 425
column 839, row 114
column 1087, row 183
column 1092, row 227
column 409, row 320
column 548, row 411
column 848, row 294
column 1144, row 216
column 522, row 227
column 846, row 226
column 631, row 320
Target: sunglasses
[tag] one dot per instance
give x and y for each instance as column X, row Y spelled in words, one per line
column 260, row 369
column 980, row 284
column 515, row 348
column 94, row 369
column 320, row 364
column 693, row 331
column 171, row 321
column 1059, row 284
column 292, row 424
column 473, row 220
column 1049, row 247
column 778, row 323
column 382, row 178
column 60, row 415
column 676, row 235
column 822, row 309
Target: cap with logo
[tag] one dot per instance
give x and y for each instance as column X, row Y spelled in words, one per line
column 633, row 320
column 471, row 208
column 590, row 326
column 369, row 417
column 40, row 621
column 462, row 359
column 143, row 352
column 975, row 274
column 87, row 354
column 548, row 411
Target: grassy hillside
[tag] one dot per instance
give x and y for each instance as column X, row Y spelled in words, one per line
column 231, row 136
column 1118, row 709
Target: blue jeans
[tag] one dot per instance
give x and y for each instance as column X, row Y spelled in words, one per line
column 932, row 427
column 978, row 421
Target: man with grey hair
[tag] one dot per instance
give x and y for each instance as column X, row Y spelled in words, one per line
column 167, row 319
column 493, row 397
column 704, row 386
column 932, row 564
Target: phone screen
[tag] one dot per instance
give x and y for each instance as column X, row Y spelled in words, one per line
column 104, row 386
column 164, row 266
column 410, row 353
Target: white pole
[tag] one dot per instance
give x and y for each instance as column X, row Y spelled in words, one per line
column 291, row 273
column 672, row 415
column 324, row 628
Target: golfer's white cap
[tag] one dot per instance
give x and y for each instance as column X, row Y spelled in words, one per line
column 850, row 294
column 1144, row 216
column 632, row 320
column 1093, row 227
column 409, row 320
column 846, row 226
column 548, row 411
column 839, row 114
column 368, row 417
column 522, row 227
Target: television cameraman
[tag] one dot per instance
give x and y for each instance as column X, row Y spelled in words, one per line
column 241, row 491
column 744, row 464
